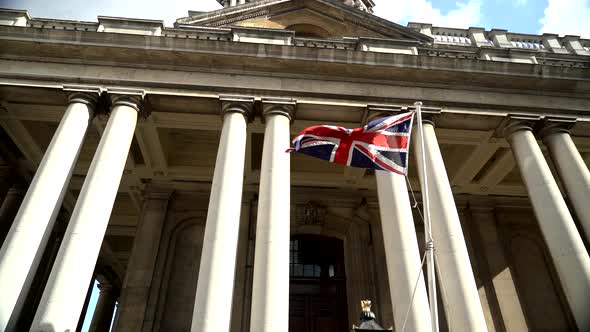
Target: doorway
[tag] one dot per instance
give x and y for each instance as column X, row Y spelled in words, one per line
column 317, row 292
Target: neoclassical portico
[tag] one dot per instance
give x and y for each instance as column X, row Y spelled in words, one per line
column 236, row 112
column 166, row 147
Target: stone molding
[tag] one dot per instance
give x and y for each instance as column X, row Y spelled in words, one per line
column 550, row 42
column 499, row 38
column 392, row 46
column 423, row 28
column 477, row 37
column 263, row 36
column 509, row 55
column 283, row 106
column 130, row 26
column 573, row 45
column 14, row 17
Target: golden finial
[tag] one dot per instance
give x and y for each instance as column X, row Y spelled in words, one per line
column 366, row 305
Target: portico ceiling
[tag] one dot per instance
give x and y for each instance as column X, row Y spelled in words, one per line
column 177, row 145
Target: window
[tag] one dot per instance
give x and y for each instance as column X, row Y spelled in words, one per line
column 297, row 267
column 315, row 257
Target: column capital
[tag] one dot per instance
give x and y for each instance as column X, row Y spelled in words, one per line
column 281, row 106
column 127, row 97
column 481, row 204
column 18, row 189
column 516, row 122
column 105, row 287
column 556, row 124
column 153, row 192
column 6, row 171
column 83, row 94
column 237, row 104
column 376, row 111
column 429, row 114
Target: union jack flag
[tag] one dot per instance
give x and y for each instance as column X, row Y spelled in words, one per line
column 382, row 144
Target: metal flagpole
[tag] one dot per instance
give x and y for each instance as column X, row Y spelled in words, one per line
column 427, row 225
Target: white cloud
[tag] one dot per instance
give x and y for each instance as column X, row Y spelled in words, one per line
column 567, row 17
column 464, row 15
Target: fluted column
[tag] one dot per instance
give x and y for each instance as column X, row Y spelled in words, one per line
column 213, row 301
column 402, row 254
column 459, row 291
column 28, row 236
column 105, row 308
column 557, row 225
column 570, row 166
column 65, row 291
column 270, row 287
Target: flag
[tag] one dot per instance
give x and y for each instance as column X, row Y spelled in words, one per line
column 382, row 144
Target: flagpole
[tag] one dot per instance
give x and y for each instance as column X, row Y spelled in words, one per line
column 427, row 225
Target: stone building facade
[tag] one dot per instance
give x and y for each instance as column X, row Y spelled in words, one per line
column 152, row 159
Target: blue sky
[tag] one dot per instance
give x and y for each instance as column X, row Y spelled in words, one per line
column 525, row 16
column 91, row 306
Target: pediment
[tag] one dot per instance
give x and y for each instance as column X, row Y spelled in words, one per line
column 308, row 18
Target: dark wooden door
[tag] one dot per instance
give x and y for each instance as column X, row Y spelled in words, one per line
column 317, row 293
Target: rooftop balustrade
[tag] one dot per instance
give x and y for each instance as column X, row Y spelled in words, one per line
column 472, row 43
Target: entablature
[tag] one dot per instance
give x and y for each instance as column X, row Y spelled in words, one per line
column 472, row 43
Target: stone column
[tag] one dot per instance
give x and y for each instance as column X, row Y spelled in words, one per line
column 105, row 308
column 213, row 302
column 358, row 264
column 64, row 293
column 456, row 280
column 570, row 166
column 9, row 208
column 557, row 225
column 502, row 279
column 30, row 231
column 270, row 287
column 140, row 269
column 402, row 254
column 6, row 180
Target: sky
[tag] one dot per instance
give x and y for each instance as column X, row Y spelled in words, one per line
column 91, row 306
column 563, row 17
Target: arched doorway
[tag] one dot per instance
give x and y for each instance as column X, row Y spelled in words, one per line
column 317, row 292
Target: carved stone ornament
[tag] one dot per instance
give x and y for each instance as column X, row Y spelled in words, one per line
column 311, row 214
